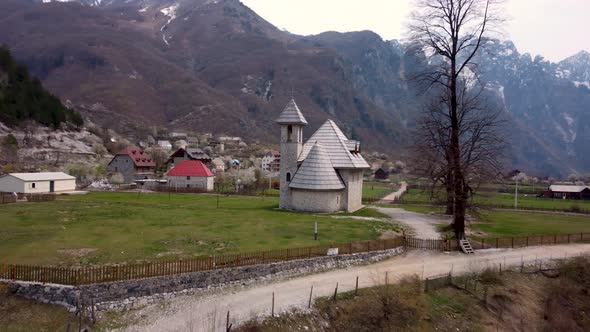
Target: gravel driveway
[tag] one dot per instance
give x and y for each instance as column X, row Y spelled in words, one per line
column 423, row 225
column 208, row 312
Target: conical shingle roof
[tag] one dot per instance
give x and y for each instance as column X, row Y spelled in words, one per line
column 317, row 172
column 339, row 148
column 291, row 115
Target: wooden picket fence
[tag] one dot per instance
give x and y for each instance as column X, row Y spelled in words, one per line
column 527, row 241
column 6, row 198
column 109, row 273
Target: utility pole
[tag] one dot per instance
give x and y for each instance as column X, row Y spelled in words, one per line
column 516, row 193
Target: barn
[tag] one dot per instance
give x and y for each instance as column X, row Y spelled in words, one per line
column 381, row 174
column 568, row 192
column 37, row 183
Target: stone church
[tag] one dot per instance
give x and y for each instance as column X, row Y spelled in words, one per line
column 323, row 175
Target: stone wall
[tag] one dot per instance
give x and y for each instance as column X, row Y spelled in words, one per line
column 126, row 294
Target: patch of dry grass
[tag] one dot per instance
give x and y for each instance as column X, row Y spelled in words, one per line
column 19, row 314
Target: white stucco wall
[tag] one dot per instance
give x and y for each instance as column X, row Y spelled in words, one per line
column 291, row 146
column 12, row 184
column 195, row 182
column 316, row 201
column 353, row 179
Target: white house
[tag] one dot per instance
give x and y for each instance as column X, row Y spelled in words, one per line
column 271, row 161
column 165, row 145
column 323, row 175
column 191, row 174
column 37, row 183
column 219, row 165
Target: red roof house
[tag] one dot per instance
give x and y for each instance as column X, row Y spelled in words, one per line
column 191, row 174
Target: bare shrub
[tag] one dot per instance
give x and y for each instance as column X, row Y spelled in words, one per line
column 385, row 308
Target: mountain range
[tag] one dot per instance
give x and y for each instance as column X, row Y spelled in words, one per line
column 216, row 66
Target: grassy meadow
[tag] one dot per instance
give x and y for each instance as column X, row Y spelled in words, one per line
column 504, row 200
column 111, row 227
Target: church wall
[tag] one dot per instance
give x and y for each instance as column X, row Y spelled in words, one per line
column 353, row 179
column 317, row 201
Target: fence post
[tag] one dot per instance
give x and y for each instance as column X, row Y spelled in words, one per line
column 335, row 292
column 310, row 292
column 272, row 313
column 356, row 287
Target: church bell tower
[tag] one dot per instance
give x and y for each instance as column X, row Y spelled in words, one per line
column 292, row 122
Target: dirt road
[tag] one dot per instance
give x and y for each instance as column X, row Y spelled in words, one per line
column 208, row 313
column 395, row 195
column 423, row 225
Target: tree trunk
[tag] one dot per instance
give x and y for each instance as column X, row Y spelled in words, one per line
column 450, row 192
column 455, row 149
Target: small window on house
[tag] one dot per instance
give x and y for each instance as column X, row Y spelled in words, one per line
column 33, row 185
column 188, row 177
column 288, row 177
column 289, row 133
column 188, row 185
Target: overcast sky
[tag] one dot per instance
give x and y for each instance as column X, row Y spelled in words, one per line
column 553, row 28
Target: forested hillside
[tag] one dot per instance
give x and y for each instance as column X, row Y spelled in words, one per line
column 22, row 97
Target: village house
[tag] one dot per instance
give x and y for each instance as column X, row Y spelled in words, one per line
column 37, row 183
column 164, row 145
column 187, row 154
column 382, row 174
column 192, row 174
column 133, row 164
column 219, row 165
column 567, row 192
column 271, row 162
column 323, row 175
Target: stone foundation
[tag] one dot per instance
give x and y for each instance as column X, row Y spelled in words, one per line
column 131, row 293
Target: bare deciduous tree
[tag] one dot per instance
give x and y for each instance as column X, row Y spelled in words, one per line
column 458, row 136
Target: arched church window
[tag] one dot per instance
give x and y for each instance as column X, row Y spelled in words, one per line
column 289, row 133
column 288, row 177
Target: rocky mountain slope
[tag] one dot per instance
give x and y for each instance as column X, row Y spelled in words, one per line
column 215, row 65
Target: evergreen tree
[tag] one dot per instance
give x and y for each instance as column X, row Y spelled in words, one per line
column 23, row 97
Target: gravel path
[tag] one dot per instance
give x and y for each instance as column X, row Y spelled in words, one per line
column 423, row 225
column 208, row 313
column 395, row 195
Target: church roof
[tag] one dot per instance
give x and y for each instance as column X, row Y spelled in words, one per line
column 343, row 153
column 291, row 115
column 317, row 172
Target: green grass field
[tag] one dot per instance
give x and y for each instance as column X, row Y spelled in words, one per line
column 503, row 223
column 499, row 223
column 372, row 191
column 123, row 227
column 505, row 200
